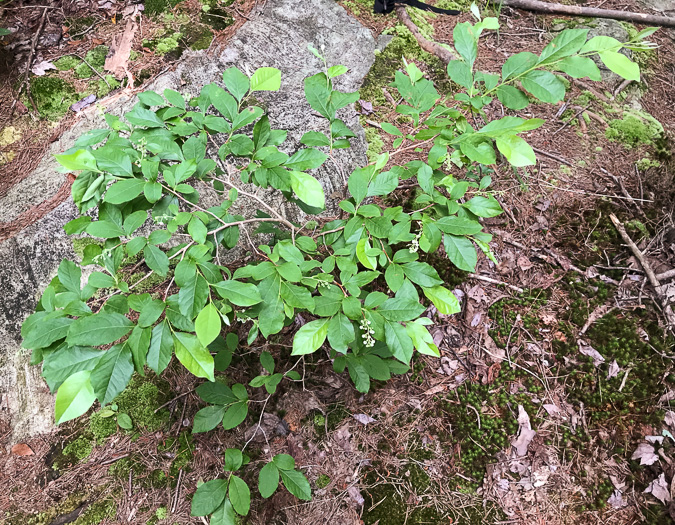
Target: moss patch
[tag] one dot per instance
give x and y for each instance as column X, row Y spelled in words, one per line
column 634, row 129
column 94, row 58
column 52, row 95
column 155, row 7
column 375, row 143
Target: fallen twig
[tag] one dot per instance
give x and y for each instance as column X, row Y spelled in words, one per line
column 553, row 156
column 667, row 310
column 592, row 12
column 494, row 281
column 445, row 55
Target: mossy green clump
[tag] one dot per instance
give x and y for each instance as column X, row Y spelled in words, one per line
column 375, row 143
column 322, row 481
column 645, row 163
column 91, row 511
column 52, row 96
column 105, row 87
column 357, row 6
column 94, row 58
column 200, row 38
column 635, row 129
column 79, row 448
column 66, row 63
column 164, row 44
column 184, row 452
column 383, row 504
column 214, row 16
column 97, row 512
column 139, row 400
column 155, row 7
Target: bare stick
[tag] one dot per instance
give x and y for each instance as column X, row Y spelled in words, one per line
column 494, row 281
column 649, row 271
column 442, row 53
column 553, row 156
column 574, row 10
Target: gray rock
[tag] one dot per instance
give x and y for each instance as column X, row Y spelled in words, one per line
column 277, row 36
column 607, row 27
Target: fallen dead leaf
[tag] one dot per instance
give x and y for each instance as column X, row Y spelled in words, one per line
column 588, row 350
column 120, row 50
column 21, row 449
column 364, row 419
column 614, row 370
column 525, row 432
column 41, row 68
column 616, row 500
column 645, row 453
column 659, row 489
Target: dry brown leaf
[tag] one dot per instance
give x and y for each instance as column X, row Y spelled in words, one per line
column 120, row 50
column 21, row 449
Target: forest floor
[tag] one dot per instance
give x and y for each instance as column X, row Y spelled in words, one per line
column 564, row 335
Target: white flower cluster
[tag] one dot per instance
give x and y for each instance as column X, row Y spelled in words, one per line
column 415, row 243
column 367, row 335
column 323, row 284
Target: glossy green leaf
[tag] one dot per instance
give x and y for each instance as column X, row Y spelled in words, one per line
column 161, row 347
column 296, row 483
column 444, row 300
column 112, row 373
column 518, row 152
column 310, row 337
column 308, row 189
column 241, row 294
column 461, row 252
column 74, row 397
column 240, row 495
column 621, row 65
column 99, row 329
column 209, row 497
column 193, row 355
column 208, row 324
column 208, row 418
column 544, row 85
column 268, row 480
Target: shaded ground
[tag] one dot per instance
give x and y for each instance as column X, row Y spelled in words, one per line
column 581, row 349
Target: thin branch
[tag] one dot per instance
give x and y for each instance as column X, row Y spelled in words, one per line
column 445, row 55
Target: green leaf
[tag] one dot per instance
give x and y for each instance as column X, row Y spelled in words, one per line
column 208, row 418
column 460, row 72
column 459, row 225
column 60, row 364
column 216, row 393
column 544, row 85
column 193, row 355
column 74, row 397
column 518, row 152
column 422, row 339
column 579, row 67
column 466, row 43
column 193, row 296
column 461, row 252
column 114, row 161
column 224, row 515
column 208, row 497
column 444, row 300
column 139, row 116
column 150, row 98
column 161, row 347
column 266, row 79
column 422, row 274
column 139, row 343
column 478, row 149
column 598, row 44
column 394, row 277
column 105, row 230
column 314, row 138
column 207, row 324
column 70, row 275
column 566, row 43
column 99, row 329
column 112, row 373
column 156, row 259
column 398, row 341
column 236, row 82
column 401, row 308
column 268, row 480
column 240, row 495
column 621, row 65
column 124, row 191
column 306, row 159
column 124, row 421
column 78, row 161
column 297, row 484
column 518, row 64
column 336, row 71
column 308, row 189
column 512, row 97
column 481, row 206
column 271, row 316
column 235, row 415
column 233, row 459
column 310, row 337
column 150, row 312
column 174, row 98
column 240, row 294
column 358, row 183
column 340, row 333
column 362, row 248
column 391, row 129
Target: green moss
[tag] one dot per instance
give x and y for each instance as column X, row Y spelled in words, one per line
column 155, row 7
column 148, row 283
column 79, row 448
column 392, row 509
column 645, row 163
column 139, row 400
column 88, row 509
column 94, row 58
column 375, row 143
column 104, row 88
column 97, row 512
column 322, row 481
column 216, row 17
column 634, row 129
column 67, row 63
column 184, row 452
column 52, row 95
column 199, row 39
